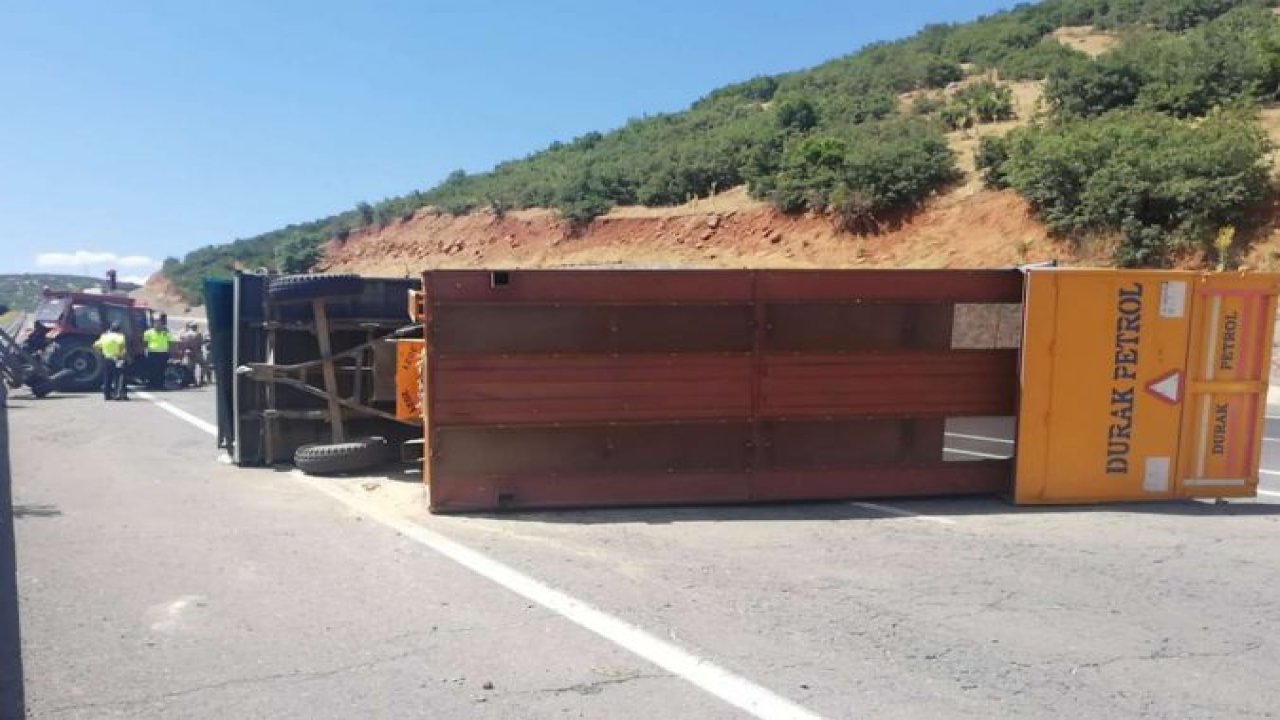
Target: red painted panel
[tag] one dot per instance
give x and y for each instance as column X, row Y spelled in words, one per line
column 915, row 286
column 670, row 286
column 497, row 390
column 594, row 286
column 908, row 384
column 598, row 388
column 468, row 494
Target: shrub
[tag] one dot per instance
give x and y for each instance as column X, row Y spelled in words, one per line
column 797, row 114
column 297, row 255
column 1159, row 181
column 982, row 102
column 1086, row 90
column 990, row 158
column 865, row 172
column 1234, row 57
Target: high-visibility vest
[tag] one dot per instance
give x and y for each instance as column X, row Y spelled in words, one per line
column 157, row 340
column 111, row 344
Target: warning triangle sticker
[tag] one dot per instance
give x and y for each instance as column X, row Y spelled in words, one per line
column 1167, row 387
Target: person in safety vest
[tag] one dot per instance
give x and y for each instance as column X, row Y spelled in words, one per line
column 157, row 340
column 112, row 346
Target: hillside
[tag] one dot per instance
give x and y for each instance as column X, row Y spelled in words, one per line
column 22, row 292
column 1131, row 126
column 726, row 231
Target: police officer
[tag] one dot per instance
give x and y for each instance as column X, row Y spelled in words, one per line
column 112, row 346
column 157, row 340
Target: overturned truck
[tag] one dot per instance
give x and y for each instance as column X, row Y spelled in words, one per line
column 540, row 389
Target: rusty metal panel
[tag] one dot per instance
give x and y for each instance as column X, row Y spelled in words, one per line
column 596, row 388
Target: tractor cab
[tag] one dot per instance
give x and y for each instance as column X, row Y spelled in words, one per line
column 65, row 325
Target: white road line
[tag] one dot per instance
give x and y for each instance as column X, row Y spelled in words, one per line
column 180, row 413
column 1268, row 493
column 758, row 701
column 890, row 510
column 976, row 454
column 983, row 438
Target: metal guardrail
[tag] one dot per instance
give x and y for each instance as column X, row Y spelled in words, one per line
column 15, row 326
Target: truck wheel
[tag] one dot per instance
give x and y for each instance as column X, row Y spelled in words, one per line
column 78, row 365
column 293, row 288
column 346, row 457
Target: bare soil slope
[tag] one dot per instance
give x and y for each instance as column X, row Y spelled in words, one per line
column 965, row 228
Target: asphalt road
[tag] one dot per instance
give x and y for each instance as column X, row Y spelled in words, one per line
column 156, row 582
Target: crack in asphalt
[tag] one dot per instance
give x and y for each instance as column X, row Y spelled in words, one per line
column 1163, row 654
column 594, row 688
column 299, row 675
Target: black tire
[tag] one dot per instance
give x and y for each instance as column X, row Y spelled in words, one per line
column 294, row 288
column 360, row 454
column 40, row 386
column 84, row 364
column 175, row 378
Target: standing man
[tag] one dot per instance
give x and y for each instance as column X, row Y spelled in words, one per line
column 193, row 341
column 157, row 340
column 112, row 346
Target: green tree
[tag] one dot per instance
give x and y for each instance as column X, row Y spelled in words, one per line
column 797, row 114
column 297, row 255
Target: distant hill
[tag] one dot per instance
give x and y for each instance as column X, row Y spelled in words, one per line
column 22, row 292
column 1152, row 138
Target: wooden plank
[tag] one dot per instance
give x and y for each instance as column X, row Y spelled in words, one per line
column 336, row 428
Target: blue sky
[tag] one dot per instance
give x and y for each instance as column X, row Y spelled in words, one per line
column 132, row 131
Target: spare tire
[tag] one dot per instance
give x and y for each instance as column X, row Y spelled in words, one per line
column 359, row 454
column 294, row 288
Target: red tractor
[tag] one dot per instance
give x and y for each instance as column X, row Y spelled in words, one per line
column 65, row 325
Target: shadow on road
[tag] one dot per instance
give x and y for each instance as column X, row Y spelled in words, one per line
column 11, row 689
column 852, row 510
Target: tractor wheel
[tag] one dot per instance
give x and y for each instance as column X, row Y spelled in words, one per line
column 79, row 367
column 344, row 457
column 294, row 288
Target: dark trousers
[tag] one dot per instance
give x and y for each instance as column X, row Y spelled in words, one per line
column 113, row 383
column 156, row 364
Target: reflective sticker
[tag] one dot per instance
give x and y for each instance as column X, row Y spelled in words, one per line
column 1173, row 299
column 1167, row 387
column 1156, row 477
